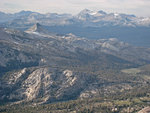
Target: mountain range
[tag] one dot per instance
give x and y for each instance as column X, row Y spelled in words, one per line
column 89, row 24
column 61, row 63
column 39, row 67
column 86, row 17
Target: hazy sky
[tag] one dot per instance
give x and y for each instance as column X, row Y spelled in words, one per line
column 137, row 7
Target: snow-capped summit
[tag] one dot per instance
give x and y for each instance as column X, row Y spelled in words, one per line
column 86, row 11
column 92, row 13
column 86, row 14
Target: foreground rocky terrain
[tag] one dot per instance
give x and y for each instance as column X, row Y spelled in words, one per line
column 41, row 67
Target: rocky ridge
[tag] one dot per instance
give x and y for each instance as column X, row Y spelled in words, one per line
column 44, row 68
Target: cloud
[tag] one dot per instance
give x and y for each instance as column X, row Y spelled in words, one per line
column 139, row 7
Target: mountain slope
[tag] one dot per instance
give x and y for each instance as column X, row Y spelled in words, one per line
column 44, row 68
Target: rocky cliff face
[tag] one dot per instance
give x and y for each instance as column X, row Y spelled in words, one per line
column 46, row 84
column 50, row 84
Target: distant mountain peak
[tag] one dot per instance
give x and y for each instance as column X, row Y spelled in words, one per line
column 87, row 14
column 36, row 28
column 86, row 10
column 101, row 12
column 23, row 13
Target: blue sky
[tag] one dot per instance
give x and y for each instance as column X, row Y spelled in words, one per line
column 137, row 7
